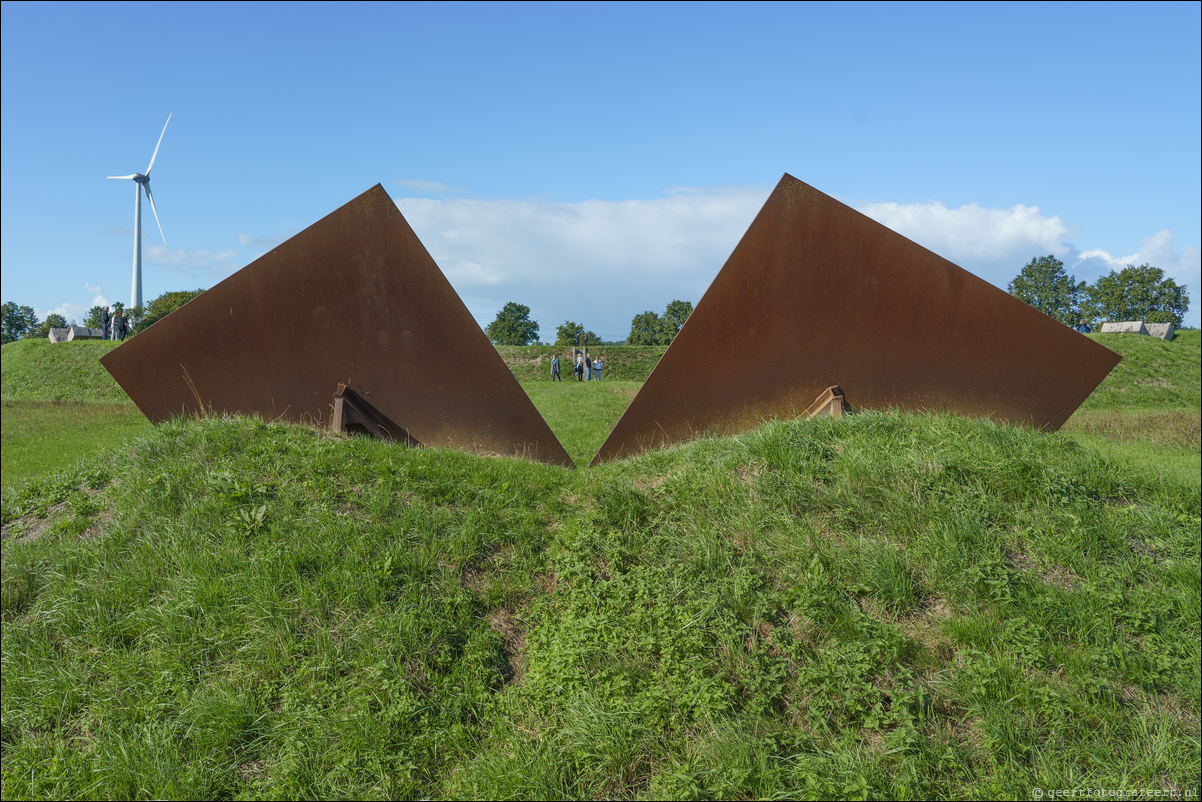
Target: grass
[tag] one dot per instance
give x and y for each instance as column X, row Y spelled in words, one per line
column 40, row 370
column 879, row 606
column 1148, row 412
column 42, row 435
column 627, row 363
column 234, row 608
column 1154, row 374
column 581, row 414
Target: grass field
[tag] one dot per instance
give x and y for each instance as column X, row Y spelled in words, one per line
column 622, row 363
column 39, row 370
column 1126, row 414
column 881, row 606
column 42, row 434
column 1154, row 374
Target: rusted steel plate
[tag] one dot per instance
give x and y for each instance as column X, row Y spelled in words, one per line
column 816, row 294
column 353, row 299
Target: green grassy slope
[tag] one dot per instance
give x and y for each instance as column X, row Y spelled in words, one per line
column 532, row 363
column 581, row 414
column 883, row 605
column 39, row 436
column 1148, row 411
column 39, row 370
column 1154, row 374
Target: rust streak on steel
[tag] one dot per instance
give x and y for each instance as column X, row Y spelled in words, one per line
column 353, row 299
column 817, row 294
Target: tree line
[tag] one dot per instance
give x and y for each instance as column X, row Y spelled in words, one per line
column 21, row 322
column 1133, row 293
column 513, row 326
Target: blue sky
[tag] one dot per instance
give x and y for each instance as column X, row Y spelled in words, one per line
column 593, row 161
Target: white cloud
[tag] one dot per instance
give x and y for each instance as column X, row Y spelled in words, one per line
column 602, row 262
column 972, row 233
column 427, row 187
column 196, row 261
column 74, row 314
column 1157, row 250
column 263, row 243
column 77, row 313
column 596, row 262
column 99, row 297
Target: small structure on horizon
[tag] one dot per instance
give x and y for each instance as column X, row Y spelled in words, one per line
column 75, row 333
column 1165, row 331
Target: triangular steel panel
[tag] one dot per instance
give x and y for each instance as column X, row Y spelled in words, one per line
column 817, row 294
column 353, row 299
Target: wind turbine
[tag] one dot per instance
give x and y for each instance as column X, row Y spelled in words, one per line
column 142, row 182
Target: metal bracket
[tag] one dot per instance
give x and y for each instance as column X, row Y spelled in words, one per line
column 354, row 415
column 831, row 403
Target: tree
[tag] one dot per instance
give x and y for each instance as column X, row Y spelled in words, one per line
column 650, row 329
column 17, row 322
column 513, row 326
column 645, row 329
column 1044, row 285
column 93, row 320
column 53, row 321
column 567, row 333
column 675, row 316
column 1138, row 293
column 164, row 305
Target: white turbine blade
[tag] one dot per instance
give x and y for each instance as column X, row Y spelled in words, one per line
column 156, row 147
column 150, row 198
column 135, row 175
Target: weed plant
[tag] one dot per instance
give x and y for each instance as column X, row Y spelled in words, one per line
column 877, row 606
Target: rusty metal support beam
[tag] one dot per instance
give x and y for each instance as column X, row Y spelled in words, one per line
column 816, row 292
column 354, row 415
column 830, row 403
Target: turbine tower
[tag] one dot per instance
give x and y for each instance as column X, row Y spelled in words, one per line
column 142, row 182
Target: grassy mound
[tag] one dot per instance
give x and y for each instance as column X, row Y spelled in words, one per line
column 43, row 435
column 532, row 363
column 883, row 605
column 1154, row 374
column 44, row 371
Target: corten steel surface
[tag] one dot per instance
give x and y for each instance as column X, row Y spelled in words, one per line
column 817, row 294
column 353, row 299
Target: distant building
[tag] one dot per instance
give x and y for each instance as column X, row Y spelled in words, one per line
column 75, row 333
column 1165, row 331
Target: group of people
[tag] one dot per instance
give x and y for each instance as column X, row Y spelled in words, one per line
column 116, row 327
column 583, row 367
